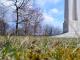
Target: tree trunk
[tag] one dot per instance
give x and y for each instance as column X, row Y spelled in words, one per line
column 17, row 18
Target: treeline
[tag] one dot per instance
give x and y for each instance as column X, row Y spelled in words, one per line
column 27, row 19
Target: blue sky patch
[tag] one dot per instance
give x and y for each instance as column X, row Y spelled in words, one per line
column 53, row 11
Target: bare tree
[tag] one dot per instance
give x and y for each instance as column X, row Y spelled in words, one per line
column 48, row 30
column 19, row 7
column 57, row 31
column 37, row 21
column 3, row 27
column 3, row 10
column 26, row 16
column 33, row 20
column 3, row 23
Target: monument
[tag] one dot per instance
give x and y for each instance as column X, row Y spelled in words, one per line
column 71, row 25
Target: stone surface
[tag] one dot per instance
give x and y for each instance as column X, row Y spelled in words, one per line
column 71, row 25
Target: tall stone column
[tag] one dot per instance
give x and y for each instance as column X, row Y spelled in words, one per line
column 75, row 17
column 72, row 17
column 78, row 15
column 66, row 16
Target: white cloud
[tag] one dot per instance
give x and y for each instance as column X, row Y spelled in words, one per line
column 40, row 3
column 54, row 11
column 49, row 20
column 53, row 1
column 56, row 1
column 44, row 2
column 6, row 3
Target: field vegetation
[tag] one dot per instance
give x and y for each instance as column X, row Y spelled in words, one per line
column 39, row 48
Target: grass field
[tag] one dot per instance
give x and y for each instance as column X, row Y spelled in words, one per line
column 39, row 48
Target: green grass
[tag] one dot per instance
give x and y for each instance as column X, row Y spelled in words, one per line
column 39, row 48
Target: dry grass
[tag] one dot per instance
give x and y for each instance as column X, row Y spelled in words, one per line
column 39, row 48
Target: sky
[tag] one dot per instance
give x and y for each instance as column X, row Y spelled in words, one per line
column 53, row 11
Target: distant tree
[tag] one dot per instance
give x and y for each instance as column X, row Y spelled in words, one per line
column 3, row 23
column 57, row 31
column 48, row 30
column 26, row 16
column 3, row 27
column 33, row 21
column 37, row 21
column 3, row 11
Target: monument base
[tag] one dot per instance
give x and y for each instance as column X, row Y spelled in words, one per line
column 69, row 35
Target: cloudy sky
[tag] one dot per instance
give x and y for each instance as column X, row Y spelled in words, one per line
column 53, row 11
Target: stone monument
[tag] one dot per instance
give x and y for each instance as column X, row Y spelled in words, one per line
column 71, row 25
